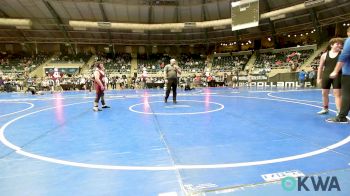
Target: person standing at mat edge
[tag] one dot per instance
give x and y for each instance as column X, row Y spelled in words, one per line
column 100, row 87
column 327, row 64
column 170, row 76
column 344, row 65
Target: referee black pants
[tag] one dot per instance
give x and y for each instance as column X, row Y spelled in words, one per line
column 345, row 92
column 172, row 83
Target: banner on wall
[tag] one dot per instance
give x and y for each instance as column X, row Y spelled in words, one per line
column 273, row 84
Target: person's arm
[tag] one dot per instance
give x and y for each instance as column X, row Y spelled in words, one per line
column 97, row 79
column 344, row 56
column 165, row 74
column 178, row 69
column 336, row 70
column 320, row 68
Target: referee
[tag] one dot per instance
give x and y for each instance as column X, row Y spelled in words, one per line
column 170, row 76
column 344, row 64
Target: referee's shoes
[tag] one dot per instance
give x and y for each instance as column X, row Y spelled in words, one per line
column 337, row 119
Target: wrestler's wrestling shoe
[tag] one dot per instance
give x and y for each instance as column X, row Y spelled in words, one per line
column 96, row 109
column 323, row 111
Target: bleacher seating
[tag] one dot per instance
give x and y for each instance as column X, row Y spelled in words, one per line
column 281, row 60
column 116, row 63
column 154, row 63
column 21, row 62
column 193, row 63
column 230, row 63
column 72, row 58
column 316, row 61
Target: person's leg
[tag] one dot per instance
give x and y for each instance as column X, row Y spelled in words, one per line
column 337, row 97
column 167, row 92
column 345, row 102
column 174, row 86
column 326, row 85
column 103, row 101
column 32, row 90
column 345, row 98
column 325, row 101
column 103, row 98
column 97, row 99
column 336, row 83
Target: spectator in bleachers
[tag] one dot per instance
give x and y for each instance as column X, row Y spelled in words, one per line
column 1, row 84
column 249, row 80
column 281, row 60
column 235, row 79
column 20, row 64
column 228, row 63
column 115, row 63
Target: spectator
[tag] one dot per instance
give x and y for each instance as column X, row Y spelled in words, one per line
column 301, row 78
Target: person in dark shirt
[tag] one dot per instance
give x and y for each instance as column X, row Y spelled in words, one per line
column 171, row 72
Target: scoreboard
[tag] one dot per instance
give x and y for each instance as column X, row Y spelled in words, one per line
column 244, row 14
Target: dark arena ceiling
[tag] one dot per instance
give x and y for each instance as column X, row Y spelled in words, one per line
column 50, row 20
